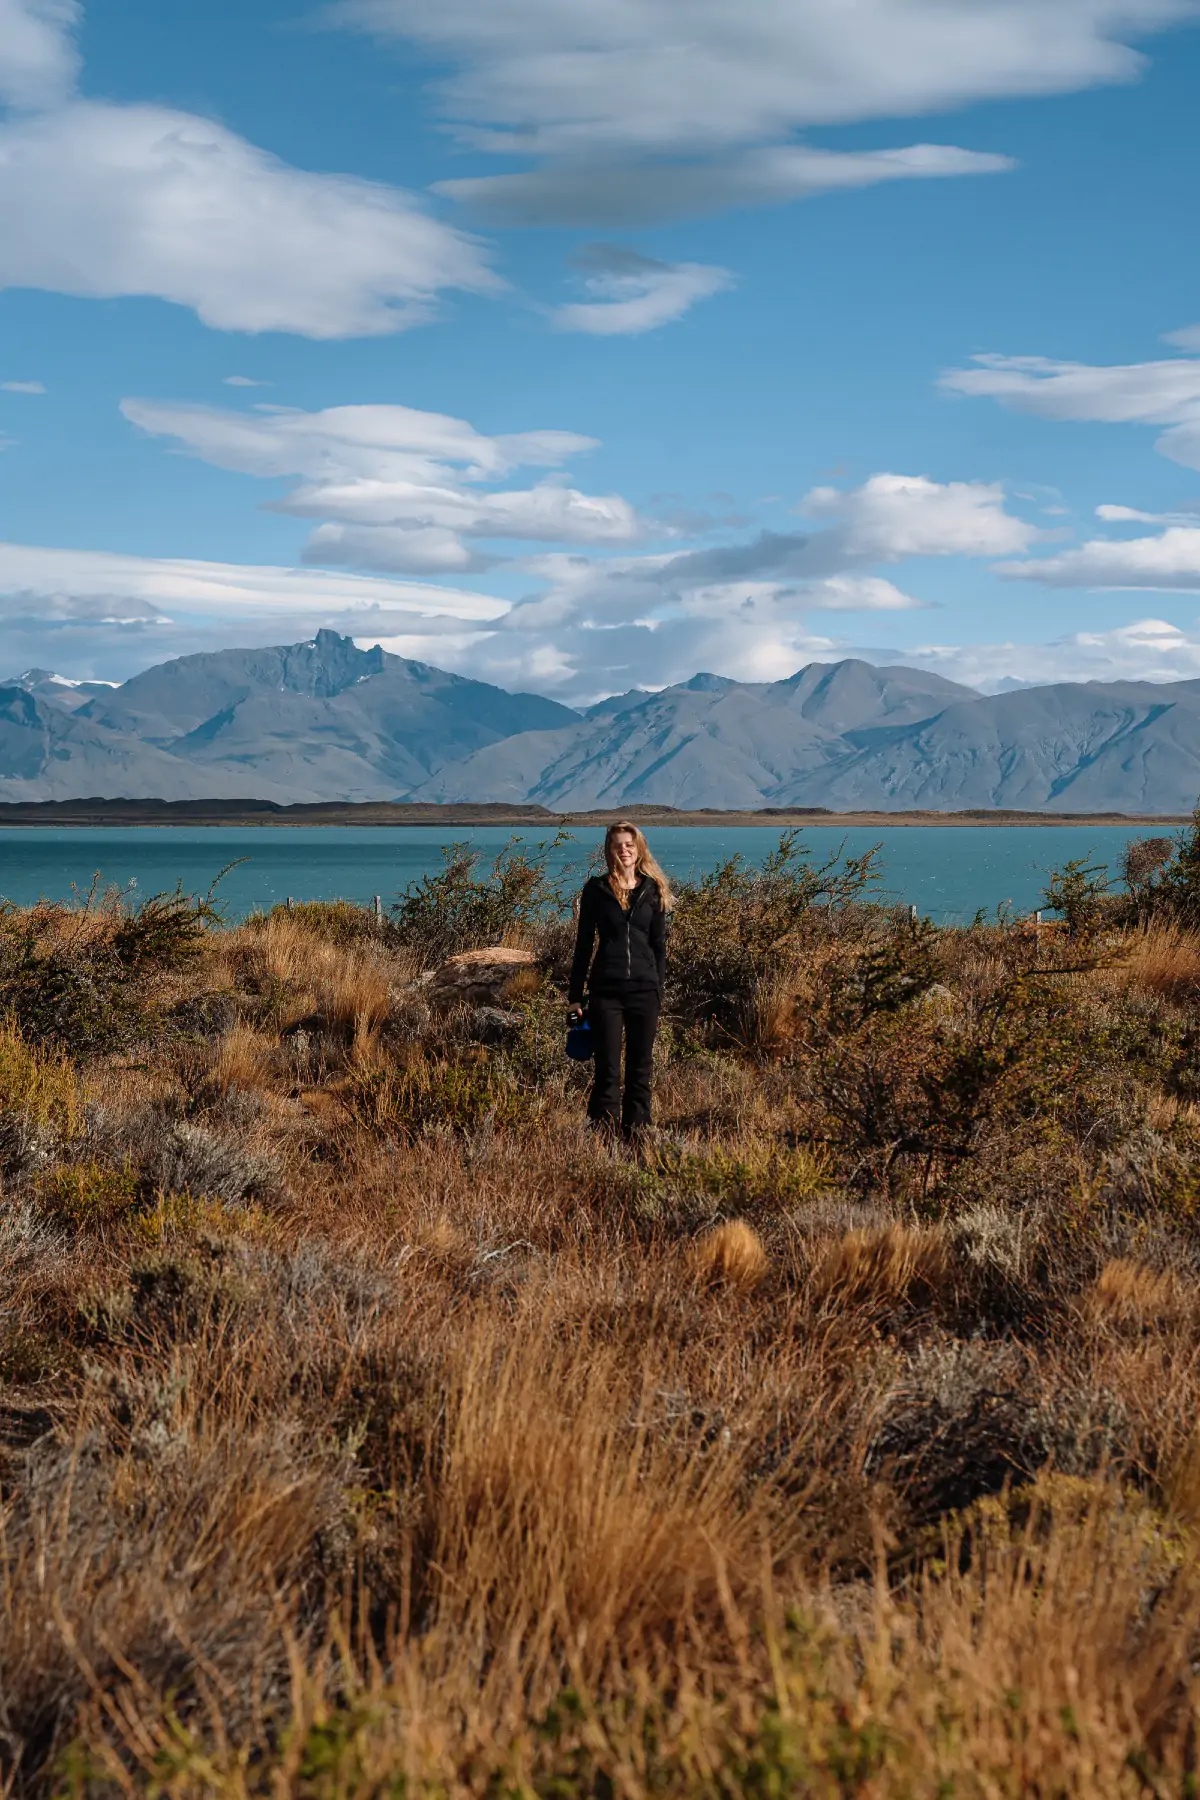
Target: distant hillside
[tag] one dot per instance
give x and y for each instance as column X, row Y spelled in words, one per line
column 850, row 736
column 324, row 721
column 321, row 720
column 708, row 742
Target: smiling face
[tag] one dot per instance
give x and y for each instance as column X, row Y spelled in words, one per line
column 625, row 855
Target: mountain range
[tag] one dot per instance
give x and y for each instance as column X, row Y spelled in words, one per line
column 324, row 720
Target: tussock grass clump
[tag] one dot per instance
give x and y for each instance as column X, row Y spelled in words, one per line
column 367, row 1426
column 1164, row 959
column 37, row 1085
column 731, row 1253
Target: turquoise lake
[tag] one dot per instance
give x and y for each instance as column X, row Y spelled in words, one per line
column 947, row 872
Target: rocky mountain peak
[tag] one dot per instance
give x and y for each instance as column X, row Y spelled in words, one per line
column 328, row 664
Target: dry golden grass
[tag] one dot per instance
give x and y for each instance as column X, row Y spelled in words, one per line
column 245, row 1058
column 877, row 1267
column 732, row 1253
column 472, row 1458
column 1163, row 959
column 344, row 983
column 1129, row 1293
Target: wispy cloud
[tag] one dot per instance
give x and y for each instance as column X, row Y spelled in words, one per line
column 645, row 109
column 38, row 58
column 1149, row 393
column 630, row 293
column 92, row 195
column 170, row 584
column 22, row 387
column 611, row 194
column 1169, row 562
column 398, row 489
column 1145, row 650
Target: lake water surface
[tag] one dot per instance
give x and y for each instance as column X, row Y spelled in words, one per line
column 947, row 871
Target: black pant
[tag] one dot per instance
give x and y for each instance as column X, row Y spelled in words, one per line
column 635, row 1015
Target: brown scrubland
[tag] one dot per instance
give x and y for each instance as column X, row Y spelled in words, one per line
column 368, row 1428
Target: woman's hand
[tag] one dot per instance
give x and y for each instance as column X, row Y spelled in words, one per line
column 574, row 1015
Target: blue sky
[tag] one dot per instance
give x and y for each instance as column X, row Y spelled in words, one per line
column 582, row 348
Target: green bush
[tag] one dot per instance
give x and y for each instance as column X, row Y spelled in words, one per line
column 1163, row 876
column 38, row 1087
column 1078, row 892
column 463, row 907
column 455, row 1096
column 739, row 927
column 89, row 1194
column 72, row 977
column 335, row 921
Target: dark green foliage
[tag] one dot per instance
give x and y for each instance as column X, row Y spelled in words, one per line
column 458, row 1097
column 1077, row 892
column 1142, row 861
column 463, row 907
column 336, row 921
column 163, row 930
column 739, row 926
column 884, row 977
column 906, row 1086
column 72, row 978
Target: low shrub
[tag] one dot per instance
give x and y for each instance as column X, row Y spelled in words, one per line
column 37, row 1085
column 1079, row 893
column 457, row 1097
column 90, row 1194
column 336, row 921
column 736, row 929
column 179, row 1157
column 762, row 1179
column 74, row 977
column 463, row 907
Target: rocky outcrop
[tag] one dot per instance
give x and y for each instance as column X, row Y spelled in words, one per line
column 480, row 978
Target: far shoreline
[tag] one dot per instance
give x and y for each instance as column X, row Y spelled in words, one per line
column 94, row 814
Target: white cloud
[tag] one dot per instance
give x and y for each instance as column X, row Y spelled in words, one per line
column 1152, row 393
column 745, row 608
column 1129, row 515
column 397, row 488
column 1147, row 650
column 1187, row 339
column 243, row 381
column 22, row 387
column 384, row 443
column 631, row 293
column 629, row 193
column 649, row 620
column 859, row 593
column 419, row 550
column 892, row 516
column 32, row 575
column 552, row 76
column 38, row 61
column 1168, row 562
column 102, row 201
column 598, row 92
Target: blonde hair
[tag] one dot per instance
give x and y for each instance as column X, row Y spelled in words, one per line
column 646, row 864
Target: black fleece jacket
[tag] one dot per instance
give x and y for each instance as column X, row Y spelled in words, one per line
column 632, row 953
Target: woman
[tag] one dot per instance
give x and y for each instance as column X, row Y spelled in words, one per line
column 623, row 919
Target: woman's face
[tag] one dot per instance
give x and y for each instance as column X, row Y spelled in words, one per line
column 624, row 847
